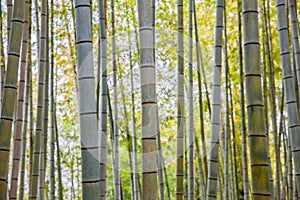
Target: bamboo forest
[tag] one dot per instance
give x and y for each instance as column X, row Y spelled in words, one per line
column 149, row 99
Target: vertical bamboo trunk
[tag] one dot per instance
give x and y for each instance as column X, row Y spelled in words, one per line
column 290, row 171
column 2, row 57
column 198, row 56
column 9, row 5
column 191, row 178
column 10, row 95
column 87, row 102
column 129, row 139
column 254, row 100
column 43, row 148
column 149, row 104
column 103, row 101
column 40, row 107
column 52, row 119
column 117, row 178
column 137, row 193
column 213, row 162
column 291, row 103
column 235, row 157
column 295, row 38
column 31, row 130
column 227, row 125
column 37, row 24
column 60, row 185
column 272, row 96
column 19, row 124
column 180, row 104
column 200, row 171
column 266, row 119
column 26, row 113
column 242, row 103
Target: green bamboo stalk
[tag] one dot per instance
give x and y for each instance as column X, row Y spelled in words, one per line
column 227, row 125
column 200, row 171
column 291, row 103
column 129, row 139
column 52, row 118
column 117, row 177
column 137, row 193
column 242, row 103
column 26, row 113
column 191, row 167
column 213, row 162
column 44, row 136
column 254, row 100
column 10, row 9
column 103, row 100
column 266, row 119
column 2, row 57
column 20, row 117
column 87, row 102
column 199, row 62
column 39, row 135
column 10, row 95
column 180, row 105
column 60, row 185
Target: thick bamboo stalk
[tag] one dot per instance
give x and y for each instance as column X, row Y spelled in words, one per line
column 10, row 93
column 213, row 162
column 87, row 102
column 149, row 104
column 254, row 101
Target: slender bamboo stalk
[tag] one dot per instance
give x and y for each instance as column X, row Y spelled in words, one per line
column 2, row 57
column 9, row 5
column 117, row 177
column 266, row 119
column 52, row 118
column 242, row 103
column 103, row 101
column 137, row 193
column 198, row 53
column 87, row 102
column 227, row 125
column 191, row 167
column 39, row 135
column 26, row 113
column 19, row 124
column 200, row 171
column 213, row 162
column 180, row 104
column 60, row 185
column 129, row 139
column 10, row 95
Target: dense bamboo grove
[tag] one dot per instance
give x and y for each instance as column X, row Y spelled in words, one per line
column 146, row 99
